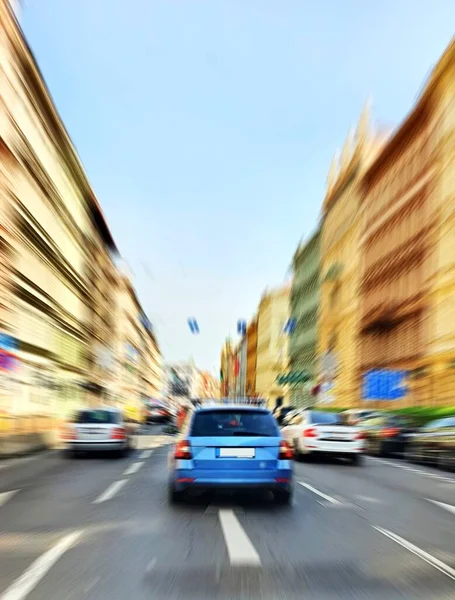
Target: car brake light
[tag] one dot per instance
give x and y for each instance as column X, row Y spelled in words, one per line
column 390, row 432
column 360, row 436
column 118, row 433
column 69, row 433
column 310, row 432
column 183, row 450
column 285, row 451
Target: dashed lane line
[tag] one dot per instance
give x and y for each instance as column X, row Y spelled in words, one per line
column 5, row 496
column 432, row 560
column 146, row 454
column 133, row 468
column 22, row 587
column 443, row 505
column 333, row 501
column 413, row 470
column 240, row 549
column 111, row 491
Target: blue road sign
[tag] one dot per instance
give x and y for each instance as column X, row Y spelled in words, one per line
column 241, row 327
column 7, row 342
column 193, row 325
column 384, row 384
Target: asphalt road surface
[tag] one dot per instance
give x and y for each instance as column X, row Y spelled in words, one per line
column 101, row 528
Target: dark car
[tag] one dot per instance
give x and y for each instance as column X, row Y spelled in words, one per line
column 280, row 412
column 387, row 435
column 434, row 444
column 157, row 412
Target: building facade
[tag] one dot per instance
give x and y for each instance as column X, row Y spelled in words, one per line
column 251, row 357
column 408, row 277
column 340, row 263
column 304, row 307
column 272, row 344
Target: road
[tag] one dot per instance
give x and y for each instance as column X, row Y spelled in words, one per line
column 100, row 528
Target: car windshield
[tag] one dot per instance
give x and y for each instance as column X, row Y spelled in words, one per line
column 326, row 418
column 97, row 417
column 224, row 423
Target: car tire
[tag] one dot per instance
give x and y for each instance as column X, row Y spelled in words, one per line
column 357, row 460
column 174, row 496
column 283, row 497
column 297, row 453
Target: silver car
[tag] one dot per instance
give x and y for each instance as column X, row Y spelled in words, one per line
column 98, row 429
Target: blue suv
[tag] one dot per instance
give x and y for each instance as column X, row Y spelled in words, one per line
column 233, row 448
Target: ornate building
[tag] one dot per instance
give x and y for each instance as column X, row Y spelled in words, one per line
column 251, row 356
column 339, row 317
column 408, row 275
column 272, row 344
column 304, row 308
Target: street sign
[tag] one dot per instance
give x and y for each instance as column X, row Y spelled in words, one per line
column 241, row 327
column 193, row 325
column 385, row 384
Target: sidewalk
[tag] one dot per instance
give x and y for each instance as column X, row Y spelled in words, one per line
column 21, row 444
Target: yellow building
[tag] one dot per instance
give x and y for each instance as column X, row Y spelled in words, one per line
column 272, row 344
column 339, row 316
column 436, row 372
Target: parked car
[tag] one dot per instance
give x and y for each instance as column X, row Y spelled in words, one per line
column 355, row 416
column 231, row 448
column 281, row 411
column 290, row 415
column 157, row 412
column 434, row 444
column 387, row 435
column 98, row 430
column 312, row 432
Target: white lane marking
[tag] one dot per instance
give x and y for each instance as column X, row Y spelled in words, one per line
column 319, row 493
column 151, row 564
column 240, row 549
column 134, row 468
column 20, row 588
column 435, row 562
column 146, row 454
column 91, row 585
column 110, row 491
column 413, row 470
column 369, row 499
column 5, row 496
column 212, row 509
column 448, row 507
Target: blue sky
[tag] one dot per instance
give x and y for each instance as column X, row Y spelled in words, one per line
column 207, row 128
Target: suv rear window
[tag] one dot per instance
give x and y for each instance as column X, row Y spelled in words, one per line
column 226, row 423
column 97, row 417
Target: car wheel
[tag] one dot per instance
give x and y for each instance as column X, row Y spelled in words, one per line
column 174, row 496
column 297, row 453
column 357, row 460
column 283, row 497
column 307, row 457
column 382, row 450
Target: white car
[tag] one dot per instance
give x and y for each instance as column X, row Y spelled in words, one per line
column 313, row 432
column 98, row 430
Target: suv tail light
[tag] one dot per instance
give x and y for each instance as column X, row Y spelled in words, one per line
column 390, row 432
column 183, row 450
column 118, row 433
column 310, row 432
column 285, row 451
